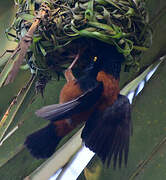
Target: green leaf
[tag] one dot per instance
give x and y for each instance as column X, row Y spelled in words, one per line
column 14, row 155
column 12, row 149
column 42, row 50
column 5, row 20
column 157, row 17
column 102, row 26
column 89, row 14
column 149, row 114
column 17, row 106
column 8, row 92
column 27, row 17
column 132, row 86
column 6, row 70
column 4, row 59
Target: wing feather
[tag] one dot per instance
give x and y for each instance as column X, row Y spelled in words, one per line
column 108, row 133
column 82, row 103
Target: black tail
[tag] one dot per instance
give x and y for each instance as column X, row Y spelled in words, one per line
column 108, row 133
column 42, row 143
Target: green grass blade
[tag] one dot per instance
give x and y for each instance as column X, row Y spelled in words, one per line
column 14, row 108
column 8, row 67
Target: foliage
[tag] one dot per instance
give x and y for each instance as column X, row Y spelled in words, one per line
column 46, row 31
column 15, row 161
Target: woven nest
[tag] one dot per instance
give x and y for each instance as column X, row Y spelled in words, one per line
column 74, row 26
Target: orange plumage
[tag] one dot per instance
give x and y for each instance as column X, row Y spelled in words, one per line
column 71, row 90
column 111, row 89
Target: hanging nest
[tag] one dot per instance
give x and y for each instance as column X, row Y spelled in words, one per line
column 72, row 27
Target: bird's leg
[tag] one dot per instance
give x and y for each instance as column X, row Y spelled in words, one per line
column 68, row 73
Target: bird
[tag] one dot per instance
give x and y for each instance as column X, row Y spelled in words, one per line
column 93, row 99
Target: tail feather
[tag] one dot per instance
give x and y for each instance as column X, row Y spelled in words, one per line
column 108, row 133
column 42, row 143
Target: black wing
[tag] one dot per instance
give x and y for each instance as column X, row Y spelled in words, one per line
column 82, row 103
column 108, row 133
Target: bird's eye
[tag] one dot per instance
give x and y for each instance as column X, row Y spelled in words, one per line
column 95, row 59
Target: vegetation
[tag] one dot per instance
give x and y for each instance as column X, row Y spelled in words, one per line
column 19, row 99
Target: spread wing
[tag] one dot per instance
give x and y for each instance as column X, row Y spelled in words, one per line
column 82, row 103
column 108, row 133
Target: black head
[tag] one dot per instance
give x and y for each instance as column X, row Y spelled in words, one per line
column 104, row 57
column 108, row 58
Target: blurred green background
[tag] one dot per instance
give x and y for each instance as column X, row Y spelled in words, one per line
column 148, row 113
